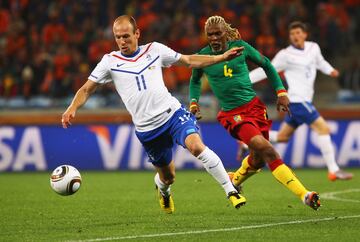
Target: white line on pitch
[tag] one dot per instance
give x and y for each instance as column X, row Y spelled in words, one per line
column 333, row 195
column 218, row 230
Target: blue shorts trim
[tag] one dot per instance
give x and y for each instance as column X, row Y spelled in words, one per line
column 158, row 143
column 301, row 113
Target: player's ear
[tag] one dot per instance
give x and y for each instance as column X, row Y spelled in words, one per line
column 137, row 33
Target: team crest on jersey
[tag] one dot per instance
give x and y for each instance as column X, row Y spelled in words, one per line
column 237, row 118
column 148, row 57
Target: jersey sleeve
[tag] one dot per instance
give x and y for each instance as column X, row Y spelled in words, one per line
column 321, row 63
column 254, row 56
column 279, row 63
column 195, row 84
column 168, row 56
column 101, row 73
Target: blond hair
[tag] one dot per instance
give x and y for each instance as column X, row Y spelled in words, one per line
column 231, row 33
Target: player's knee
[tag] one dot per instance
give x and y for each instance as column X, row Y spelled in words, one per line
column 196, row 148
column 267, row 153
column 169, row 180
column 324, row 130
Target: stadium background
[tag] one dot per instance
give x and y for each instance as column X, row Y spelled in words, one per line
column 48, row 48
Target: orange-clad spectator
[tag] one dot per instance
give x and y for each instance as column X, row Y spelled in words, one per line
column 170, row 78
column 100, row 46
column 4, row 20
column 246, row 29
column 207, row 11
column 182, row 73
column 174, row 39
column 75, row 32
column 54, row 31
column 266, row 43
column 190, row 42
column 147, row 16
column 34, row 36
column 342, row 17
column 225, row 12
column 14, row 42
column 351, row 3
column 61, row 62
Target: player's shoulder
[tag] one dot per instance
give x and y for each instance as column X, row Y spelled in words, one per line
column 108, row 56
column 238, row 43
column 311, row 45
column 156, row 45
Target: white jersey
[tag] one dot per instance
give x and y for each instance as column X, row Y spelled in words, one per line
column 139, row 81
column 299, row 66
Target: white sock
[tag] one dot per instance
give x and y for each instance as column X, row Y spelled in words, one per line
column 215, row 167
column 164, row 189
column 273, row 136
column 328, row 153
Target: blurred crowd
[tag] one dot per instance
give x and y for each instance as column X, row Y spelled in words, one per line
column 48, row 48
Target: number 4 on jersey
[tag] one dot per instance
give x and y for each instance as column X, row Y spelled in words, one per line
column 227, row 71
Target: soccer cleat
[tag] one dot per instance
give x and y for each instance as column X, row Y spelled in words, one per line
column 236, row 199
column 340, row 175
column 239, row 187
column 166, row 202
column 312, row 199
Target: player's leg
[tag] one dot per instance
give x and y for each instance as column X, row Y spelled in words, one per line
column 164, row 177
column 214, row 167
column 266, row 153
column 283, row 135
column 185, row 133
column 245, row 171
column 327, row 150
column 159, row 151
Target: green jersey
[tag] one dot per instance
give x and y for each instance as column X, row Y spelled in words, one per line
column 229, row 80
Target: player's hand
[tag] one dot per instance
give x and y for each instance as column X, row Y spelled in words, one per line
column 195, row 109
column 334, row 73
column 282, row 104
column 233, row 53
column 67, row 116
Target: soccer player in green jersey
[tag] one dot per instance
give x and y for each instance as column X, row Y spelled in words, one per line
column 242, row 113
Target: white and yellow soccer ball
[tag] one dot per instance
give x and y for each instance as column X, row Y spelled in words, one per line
column 65, row 180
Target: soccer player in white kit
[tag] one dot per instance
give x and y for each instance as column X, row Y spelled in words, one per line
column 300, row 61
column 159, row 118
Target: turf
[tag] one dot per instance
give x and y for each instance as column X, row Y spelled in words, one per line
column 119, row 204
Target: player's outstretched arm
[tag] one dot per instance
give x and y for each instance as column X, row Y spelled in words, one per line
column 79, row 99
column 199, row 61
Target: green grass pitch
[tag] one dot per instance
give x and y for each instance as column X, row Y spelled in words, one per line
column 113, row 206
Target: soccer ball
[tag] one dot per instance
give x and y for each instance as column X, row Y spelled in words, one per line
column 65, row 180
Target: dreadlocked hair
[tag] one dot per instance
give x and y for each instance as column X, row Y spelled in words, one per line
column 231, row 33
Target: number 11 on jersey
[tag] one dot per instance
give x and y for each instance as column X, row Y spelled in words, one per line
column 139, row 84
